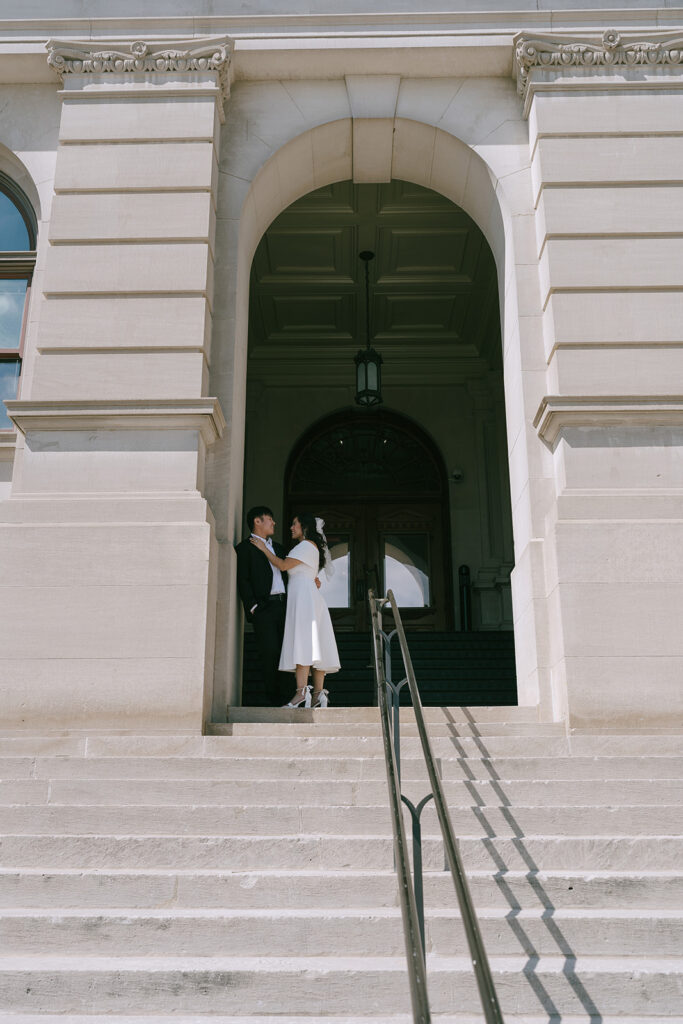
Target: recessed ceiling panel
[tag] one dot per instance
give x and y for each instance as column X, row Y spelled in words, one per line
column 406, row 197
column 422, row 254
column 304, row 254
column 433, row 280
column 338, row 198
column 411, row 315
column 328, row 316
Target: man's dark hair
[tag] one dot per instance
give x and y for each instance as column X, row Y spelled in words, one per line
column 256, row 513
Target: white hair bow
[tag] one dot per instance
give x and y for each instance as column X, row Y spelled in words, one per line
column 328, row 564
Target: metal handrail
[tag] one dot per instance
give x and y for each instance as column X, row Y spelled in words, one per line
column 417, row 972
column 482, row 970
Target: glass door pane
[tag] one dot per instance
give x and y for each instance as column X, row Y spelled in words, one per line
column 406, row 568
column 337, row 591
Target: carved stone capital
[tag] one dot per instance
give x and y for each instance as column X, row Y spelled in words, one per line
column 183, row 57
column 611, row 51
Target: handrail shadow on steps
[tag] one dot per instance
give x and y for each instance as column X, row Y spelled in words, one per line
column 410, row 892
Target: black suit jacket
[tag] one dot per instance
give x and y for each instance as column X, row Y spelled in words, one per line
column 255, row 573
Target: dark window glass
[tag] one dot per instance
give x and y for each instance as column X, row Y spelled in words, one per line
column 14, row 236
column 12, row 299
column 9, row 379
column 17, row 258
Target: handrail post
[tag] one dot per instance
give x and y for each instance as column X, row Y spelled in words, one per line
column 482, row 970
column 395, row 713
column 417, row 972
column 418, row 875
column 480, row 964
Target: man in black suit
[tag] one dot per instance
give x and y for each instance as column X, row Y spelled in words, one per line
column 262, row 589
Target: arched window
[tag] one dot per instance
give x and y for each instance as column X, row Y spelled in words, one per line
column 17, row 260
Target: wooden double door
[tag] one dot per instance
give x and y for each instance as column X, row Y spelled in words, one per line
column 379, row 483
column 387, row 546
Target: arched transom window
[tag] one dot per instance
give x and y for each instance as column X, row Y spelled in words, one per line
column 17, row 260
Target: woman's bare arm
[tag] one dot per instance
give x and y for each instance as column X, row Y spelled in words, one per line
column 283, row 564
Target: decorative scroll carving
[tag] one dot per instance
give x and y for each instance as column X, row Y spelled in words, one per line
column 157, row 58
column 548, row 53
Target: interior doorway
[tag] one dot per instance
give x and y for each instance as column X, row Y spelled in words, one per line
column 379, row 483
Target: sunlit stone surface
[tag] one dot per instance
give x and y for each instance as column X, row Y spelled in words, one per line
column 536, row 340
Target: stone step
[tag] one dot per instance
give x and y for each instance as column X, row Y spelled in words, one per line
column 369, row 746
column 320, row 986
column 290, row 819
column 465, row 715
column 326, row 727
column 308, row 791
column 303, row 852
column 263, row 889
column 321, row 767
column 320, row 932
column 283, row 745
column 442, row 1018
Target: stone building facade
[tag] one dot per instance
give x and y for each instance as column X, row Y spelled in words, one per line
column 195, row 188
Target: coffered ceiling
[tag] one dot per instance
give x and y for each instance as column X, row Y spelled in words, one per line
column 433, row 288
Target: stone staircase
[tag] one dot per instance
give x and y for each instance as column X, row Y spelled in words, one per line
column 246, row 876
column 453, row 668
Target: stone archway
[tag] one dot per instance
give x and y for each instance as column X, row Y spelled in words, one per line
column 494, row 193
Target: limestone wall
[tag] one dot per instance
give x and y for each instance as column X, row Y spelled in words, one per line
column 116, row 530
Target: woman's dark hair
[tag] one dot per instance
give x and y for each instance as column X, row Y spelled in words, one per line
column 310, row 532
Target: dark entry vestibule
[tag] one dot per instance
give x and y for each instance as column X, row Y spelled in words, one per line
column 416, row 489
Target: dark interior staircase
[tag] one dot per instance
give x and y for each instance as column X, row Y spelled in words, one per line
column 452, row 669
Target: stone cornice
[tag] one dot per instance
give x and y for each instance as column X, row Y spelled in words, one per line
column 556, row 412
column 413, row 42
column 141, row 58
column 611, row 51
column 202, row 414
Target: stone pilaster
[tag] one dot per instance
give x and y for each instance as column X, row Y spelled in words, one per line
column 114, row 612
column 604, row 125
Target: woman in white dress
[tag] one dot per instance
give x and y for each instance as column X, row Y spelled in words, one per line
column 309, row 637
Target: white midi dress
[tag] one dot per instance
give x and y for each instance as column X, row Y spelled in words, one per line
column 309, row 636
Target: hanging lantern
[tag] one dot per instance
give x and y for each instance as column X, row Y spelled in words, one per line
column 368, row 377
column 368, row 361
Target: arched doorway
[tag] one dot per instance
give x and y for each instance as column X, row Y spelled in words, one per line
column 493, row 186
column 379, row 482
column 422, row 487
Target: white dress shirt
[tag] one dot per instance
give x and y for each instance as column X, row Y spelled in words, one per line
column 278, row 584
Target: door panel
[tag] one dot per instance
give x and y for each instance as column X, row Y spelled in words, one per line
column 411, row 555
column 379, row 483
column 345, row 532
column 407, row 569
column 395, row 546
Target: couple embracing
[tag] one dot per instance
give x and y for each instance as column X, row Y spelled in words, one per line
column 281, row 597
